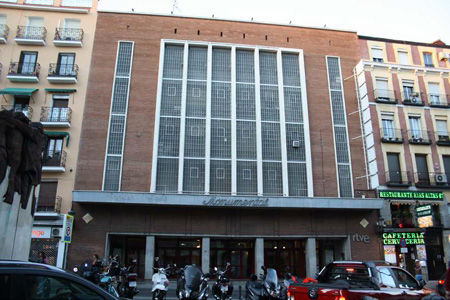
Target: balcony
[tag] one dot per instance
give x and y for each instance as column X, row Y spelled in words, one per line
column 398, row 178
column 432, row 180
column 62, row 73
column 442, row 138
column 412, row 98
column 419, row 137
column 48, row 207
column 391, row 135
column 68, row 37
column 54, row 161
column 30, row 35
column 4, row 31
column 24, row 72
column 429, row 65
column 56, row 116
column 25, row 109
column 436, row 100
column 385, row 96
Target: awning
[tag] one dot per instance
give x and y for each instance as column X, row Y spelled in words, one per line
column 15, row 91
column 59, row 133
column 60, row 90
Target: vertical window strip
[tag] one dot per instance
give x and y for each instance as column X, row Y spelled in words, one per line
column 118, row 116
column 342, row 150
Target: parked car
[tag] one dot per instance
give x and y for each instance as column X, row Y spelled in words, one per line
column 28, row 280
column 361, row 280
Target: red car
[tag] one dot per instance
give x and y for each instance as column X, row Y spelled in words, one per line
column 353, row 280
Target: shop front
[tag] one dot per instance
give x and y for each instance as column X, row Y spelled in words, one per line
column 47, row 240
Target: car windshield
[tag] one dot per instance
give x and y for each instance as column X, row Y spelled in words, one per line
column 192, row 275
column 272, row 276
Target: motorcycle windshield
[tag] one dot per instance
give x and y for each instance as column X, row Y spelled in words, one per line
column 193, row 277
column 272, row 277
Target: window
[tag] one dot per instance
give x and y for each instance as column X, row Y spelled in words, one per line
column 272, row 175
column 77, row 3
column 194, row 172
column 220, row 173
column 21, row 104
column 415, row 128
column 422, row 169
column 44, row 287
column 382, row 89
column 387, row 121
column 65, row 66
column 39, row 2
column 435, row 94
column 171, row 91
column 394, row 175
column 58, row 112
column 196, row 93
column 221, row 132
column 403, row 58
column 428, row 60
column 170, row 129
column 247, row 174
column 195, row 131
column 47, row 196
column 27, row 63
column 386, row 277
column 404, row 280
column 408, row 91
column 377, row 54
column 441, row 130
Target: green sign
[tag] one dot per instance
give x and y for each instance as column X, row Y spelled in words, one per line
column 411, row 238
column 413, row 195
column 424, row 210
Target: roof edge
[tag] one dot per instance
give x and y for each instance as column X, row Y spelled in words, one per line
column 364, row 37
column 229, row 20
column 44, row 8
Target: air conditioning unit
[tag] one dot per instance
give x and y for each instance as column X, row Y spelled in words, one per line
column 443, row 56
column 56, row 232
column 441, row 178
column 414, row 99
column 295, row 144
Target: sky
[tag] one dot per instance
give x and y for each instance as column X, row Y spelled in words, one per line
column 411, row 20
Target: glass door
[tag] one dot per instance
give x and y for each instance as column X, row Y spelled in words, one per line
column 416, row 130
column 382, row 88
column 58, row 112
column 70, row 30
column 65, row 64
column 422, row 169
column 54, row 149
column 27, row 63
column 434, row 93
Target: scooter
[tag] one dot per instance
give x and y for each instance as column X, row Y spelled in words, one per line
column 267, row 289
column 288, row 280
column 192, row 283
column 89, row 271
column 222, row 288
column 160, row 282
column 127, row 286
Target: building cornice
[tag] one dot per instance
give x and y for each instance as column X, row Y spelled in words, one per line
column 385, row 40
column 45, row 8
column 136, row 198
column 226, row 20
column 396, row 68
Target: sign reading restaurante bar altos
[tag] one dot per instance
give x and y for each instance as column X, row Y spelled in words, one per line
column 411, row 238
column 412, row 195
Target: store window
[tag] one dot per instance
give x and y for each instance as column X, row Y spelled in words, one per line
column 285, row 256
column 237, row 252
column 402, row 216
column 47, row 245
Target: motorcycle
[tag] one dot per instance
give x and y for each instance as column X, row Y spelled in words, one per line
column 89, row 271
column 127, row 286
column 223, row 288
column 268, row 289
column 192, row 283
column 160, row 282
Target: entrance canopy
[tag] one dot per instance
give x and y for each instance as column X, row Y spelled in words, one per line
column 16, row 91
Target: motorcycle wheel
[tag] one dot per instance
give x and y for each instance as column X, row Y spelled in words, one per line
column 155, row 295
column 160, row 296
column 130, row 292
column 121, row 289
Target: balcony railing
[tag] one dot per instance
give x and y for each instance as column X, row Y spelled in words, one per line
column 442, row 138
column 398, row 178
column 31, row 33
column 54, row 158
column 385, row 96
column 431, row 179
column 391, row 135
column 71, row 35
column 429, row 65
column 24, row 69
column 438, row 100
column 412, row 98
column 4, row 32
column 63, row 70
column 25, row 109
column 421, row 137
column 56, row 114
column 48, row 207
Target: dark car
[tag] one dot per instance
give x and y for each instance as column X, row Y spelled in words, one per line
column 27, row 280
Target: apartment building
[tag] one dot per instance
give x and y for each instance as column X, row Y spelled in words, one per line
column 404, row 100
column 45, row 53
column 206, row 141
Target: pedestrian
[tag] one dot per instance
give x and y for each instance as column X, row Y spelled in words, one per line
column 418, row 270
column 43, row 258
column 447, row 282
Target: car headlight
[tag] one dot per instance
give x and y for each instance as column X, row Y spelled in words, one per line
column 75, row 270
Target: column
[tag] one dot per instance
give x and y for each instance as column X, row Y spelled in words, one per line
column 310, row 257
column 149, row 256
column 259, row 255
column 347, row 249
column 205, row 254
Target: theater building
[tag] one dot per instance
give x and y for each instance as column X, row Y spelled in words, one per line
column 404, row 100
column 206, row 141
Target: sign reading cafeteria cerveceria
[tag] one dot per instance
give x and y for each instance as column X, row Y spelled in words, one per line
column 413, row 195
column 411, row 238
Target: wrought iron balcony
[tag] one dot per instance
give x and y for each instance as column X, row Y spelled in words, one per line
column 398, row 178
column 420, row 137
column 54, row 161
column 431, row 179
column 385, row 96
column 25, row 109
column 68, row 37
column 438, row 100
column 391, row 135
column 24, row 72
column 429, row 65
column 56, row 116
column 62, row 73
column 31, row 35
column 412, row 98
column 442, row 138
column 4, row 32
column 377, row 59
